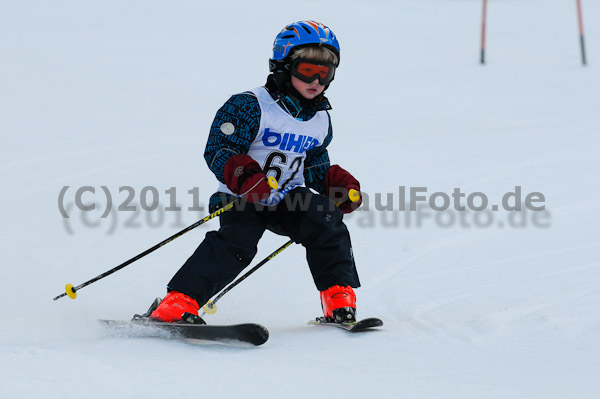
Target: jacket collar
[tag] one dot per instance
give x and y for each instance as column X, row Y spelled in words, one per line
column 297, row 109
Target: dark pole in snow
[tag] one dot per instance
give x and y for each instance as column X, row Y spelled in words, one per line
column 581, row 39
column 483, row 25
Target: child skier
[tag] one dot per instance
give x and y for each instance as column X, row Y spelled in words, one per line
column 282, row 130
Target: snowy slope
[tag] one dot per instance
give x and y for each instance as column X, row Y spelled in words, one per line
column 492, row 305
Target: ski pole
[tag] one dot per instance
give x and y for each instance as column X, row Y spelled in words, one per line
column 71, row 291
column 483, row 26
column 581, row 38
column 211, row 306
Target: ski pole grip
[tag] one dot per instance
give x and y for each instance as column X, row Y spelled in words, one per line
column 272, row 182
column 353, row 195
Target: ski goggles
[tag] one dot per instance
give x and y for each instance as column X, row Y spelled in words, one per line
column 309, row 70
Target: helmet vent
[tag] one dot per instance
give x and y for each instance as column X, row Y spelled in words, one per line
column 303, row 33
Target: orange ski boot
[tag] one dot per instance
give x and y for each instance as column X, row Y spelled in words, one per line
column 339, row 304
column 174, row 306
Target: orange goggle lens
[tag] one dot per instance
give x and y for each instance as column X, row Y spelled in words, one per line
column 309, row 71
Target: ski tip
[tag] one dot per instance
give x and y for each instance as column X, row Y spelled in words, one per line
column 257, row 334
column 357, row 326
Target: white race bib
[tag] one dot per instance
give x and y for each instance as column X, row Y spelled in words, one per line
column 282, row 141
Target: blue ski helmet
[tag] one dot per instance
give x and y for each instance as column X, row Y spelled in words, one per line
column 303, row 33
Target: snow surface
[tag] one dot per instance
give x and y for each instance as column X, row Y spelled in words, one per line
column 112, row 93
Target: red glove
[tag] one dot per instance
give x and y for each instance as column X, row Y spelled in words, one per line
column 244, row 176
column 338, row 182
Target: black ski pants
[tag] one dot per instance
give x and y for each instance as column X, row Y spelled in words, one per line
column 307, row 218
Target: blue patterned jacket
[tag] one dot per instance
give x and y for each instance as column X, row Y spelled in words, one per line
column 243, row 111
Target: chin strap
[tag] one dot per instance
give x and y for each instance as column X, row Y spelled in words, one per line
column 279, row 83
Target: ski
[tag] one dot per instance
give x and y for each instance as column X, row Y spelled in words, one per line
column 350, row 326
column 192, row 327
column 248, row 333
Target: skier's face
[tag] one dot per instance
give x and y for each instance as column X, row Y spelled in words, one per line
column 308, row 90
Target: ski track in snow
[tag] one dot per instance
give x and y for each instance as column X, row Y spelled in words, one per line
column 122, row 94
